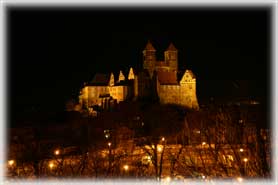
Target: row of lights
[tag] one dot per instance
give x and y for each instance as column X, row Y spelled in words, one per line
column 125, row 167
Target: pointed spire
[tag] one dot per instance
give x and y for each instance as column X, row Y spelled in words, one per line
column 131, row 74
column 111, row 81
column 172, row 47
column 121, row 76
column 149, row 46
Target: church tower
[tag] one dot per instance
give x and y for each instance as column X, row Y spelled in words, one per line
column 171, row 57
column 149, row 58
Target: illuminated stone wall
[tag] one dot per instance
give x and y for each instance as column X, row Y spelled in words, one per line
column 91, row 94
column 169, row 94
column 183, row 94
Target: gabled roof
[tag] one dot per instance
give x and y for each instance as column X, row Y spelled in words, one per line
column 190, row 73
column 171, row 47
column 149, row 46
column 167, row 78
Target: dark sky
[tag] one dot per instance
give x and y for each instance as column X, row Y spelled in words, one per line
column 51, row 52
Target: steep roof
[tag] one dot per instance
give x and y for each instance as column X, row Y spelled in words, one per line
column 149, row 46
column 167, row 78
column 172, row 47
column 191, row 73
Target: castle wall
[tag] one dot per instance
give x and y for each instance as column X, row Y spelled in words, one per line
column 184, row 95
column 169, row 94
column 118, row 92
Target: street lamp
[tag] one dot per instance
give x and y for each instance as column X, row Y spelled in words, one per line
column 51, row 165
column 203, row 143
column 57, row 152
column 11, row 162
column 245, row 161
column 239, row 179
column 159, row 148
column 163, row 139
column 109, row 144
column 241, row 150
column 126, row 167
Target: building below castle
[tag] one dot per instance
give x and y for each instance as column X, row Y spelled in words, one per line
column 157, row 80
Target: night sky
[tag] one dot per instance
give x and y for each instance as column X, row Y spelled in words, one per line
column 52, row 52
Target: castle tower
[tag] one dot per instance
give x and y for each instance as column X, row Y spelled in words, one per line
column 149, row 58
column 188, row 90
column 171, row 57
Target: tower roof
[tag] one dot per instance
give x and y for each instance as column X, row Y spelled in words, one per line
column 149, row 46
column 172, row 47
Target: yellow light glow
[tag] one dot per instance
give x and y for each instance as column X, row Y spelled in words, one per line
column 109, row 144
column 239, row 179
column 149, row 158
column 203, row 177
column 163, row 139
column 203, row 143
column 126, row 167
column 159, row 148
column 106, row 135
column 245, row 159
column 11, row 162
column 168, row 179
column 57, row 152
column 153, row 146
column 51, row 165
column 241, row 150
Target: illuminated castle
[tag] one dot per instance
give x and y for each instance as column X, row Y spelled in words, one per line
column 157, row 79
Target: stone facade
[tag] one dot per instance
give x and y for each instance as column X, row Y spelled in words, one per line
column 169, row 88
column 158, row 79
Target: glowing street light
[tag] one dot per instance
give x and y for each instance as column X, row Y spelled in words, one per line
column 109, row 144
column 159, row 148
column 163, row 139
column 239, row 179
column 203, row 176
column 126, row 167
column 11, row 162
column 51, row 165
column 241, row 150
column 203, row 143
column 168, row 179
column 57, row 152
column 245, row 159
